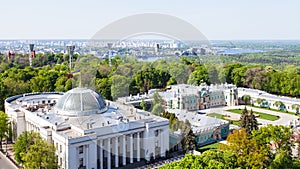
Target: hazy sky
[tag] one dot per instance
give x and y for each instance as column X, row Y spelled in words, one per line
column 216, row 19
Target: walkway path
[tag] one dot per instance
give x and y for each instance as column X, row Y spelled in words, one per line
column 5, row 163
column 284, row 119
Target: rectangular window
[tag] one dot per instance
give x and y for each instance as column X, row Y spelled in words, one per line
column 81, row 162
column 156, row 133
column 60, row 148
column 80, row 149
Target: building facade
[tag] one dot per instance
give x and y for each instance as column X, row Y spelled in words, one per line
column 189, row 97
column 88, row 131
column 269, row 100
column 206, row 129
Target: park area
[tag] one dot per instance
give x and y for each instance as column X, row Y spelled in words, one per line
column 223, row 117
column 257, row 114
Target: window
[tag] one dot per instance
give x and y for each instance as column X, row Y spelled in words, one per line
column 60, row 148
column 56, row 147
column 80, row 149
column 81, row 162
column 156, row 133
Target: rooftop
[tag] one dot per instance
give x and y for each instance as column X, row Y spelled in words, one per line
column 200, row 123
column 80, row 111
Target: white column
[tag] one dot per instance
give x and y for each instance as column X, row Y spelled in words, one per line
column 147, row 145
column 87, row 156
column 108, row 154
column 116, row 152
column 138, row 147
column 162, row 145
column 101, row 154
column 124, row 150
column 131, row 148
column 72, row 158
column 92, row 156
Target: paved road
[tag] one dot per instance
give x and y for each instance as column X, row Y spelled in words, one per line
column 5, row 163
column 284, row 119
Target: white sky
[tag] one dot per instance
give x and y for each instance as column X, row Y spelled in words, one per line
column 216, row 19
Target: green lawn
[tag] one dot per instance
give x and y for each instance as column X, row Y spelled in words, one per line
column 261, row 115
column 217, row 115
column 220, row 116
column 210, row 146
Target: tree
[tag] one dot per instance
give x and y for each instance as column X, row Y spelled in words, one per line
column 147, row 79
column 296, row 107
column 282, row 161
column 103, row 86
column 157, row 99
column 249, row 153
column 119, row 86
column 253, row 121
column 4, row 127
column 33, row 152
column 246, row 98
column 143, row 104
column 22, row 144
column 279, row 104
column 228, row 70
column 259, row 101
column 40, row 154
column 199, row 76
column 212, row 159
column 274, row 137
column 245, row 120
column 248, row 121
column 189, row 142
column 158, row 109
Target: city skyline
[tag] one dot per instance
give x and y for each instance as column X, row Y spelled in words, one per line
column 230, row 20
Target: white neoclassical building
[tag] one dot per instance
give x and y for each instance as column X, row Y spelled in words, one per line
column 269, row 99
column 87, row 131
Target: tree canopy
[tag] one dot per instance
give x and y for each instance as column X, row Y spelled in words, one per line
column 4, row 127
column 32, row 151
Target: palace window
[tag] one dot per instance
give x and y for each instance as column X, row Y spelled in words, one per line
column 80, row 149
column 156, row 133
column 81, row 162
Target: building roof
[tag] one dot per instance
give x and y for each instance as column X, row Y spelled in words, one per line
column 88, row 114
column 200, row 123
column 79, row 102
column 267, row 96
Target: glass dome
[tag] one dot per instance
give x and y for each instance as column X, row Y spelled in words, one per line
column 80, row 102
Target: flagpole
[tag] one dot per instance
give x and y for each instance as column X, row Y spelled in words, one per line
column 80, row 80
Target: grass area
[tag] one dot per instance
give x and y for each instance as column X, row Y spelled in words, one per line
column 261, row 115
column 217, row 115
column 281, row 111
column 237, row 123
column 220, row 116
column 210, row 146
